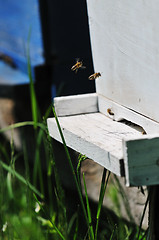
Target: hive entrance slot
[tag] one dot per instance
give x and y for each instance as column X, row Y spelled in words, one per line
column 133, row 125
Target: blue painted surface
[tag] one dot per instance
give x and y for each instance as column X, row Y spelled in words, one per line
column 11, row 76
column 17, row 17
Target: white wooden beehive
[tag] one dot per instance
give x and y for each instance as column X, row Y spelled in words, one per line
column 125, row 47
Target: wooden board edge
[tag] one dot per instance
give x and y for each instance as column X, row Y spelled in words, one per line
column 76, row 104
column 118, row 112
column 141, row 160
column 97, row 154
column 126, row 168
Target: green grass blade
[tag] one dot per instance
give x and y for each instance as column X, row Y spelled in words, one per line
column 59, row 192
column 53, row 224
column 4, row 154
column 61, row 211
column 104, row 184
column 21, row 178
column 71, row 222
column 72, row 168
column 81, row 158
column 124, row 198
column 34, row 105
column 37, row 170
column 26, row 162
column 49, row 164
column 111, row 237
column 88, row 211
column 76, row 226
column 47, row 113
column 9, row 186
column 12, row 164
column 143, row 214
column 22, row 124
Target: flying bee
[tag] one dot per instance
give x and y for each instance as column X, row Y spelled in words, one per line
column 94, row 76
column 78, row 65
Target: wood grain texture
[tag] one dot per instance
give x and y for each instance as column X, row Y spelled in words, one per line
column 76, row 104
column 141, row 160
column 96, row 136
column 89, row 103
column 125, row 47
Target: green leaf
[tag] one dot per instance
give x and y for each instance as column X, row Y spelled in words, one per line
column 88, row 210
column 34, row 105
column 21, row 178
column 104, row 184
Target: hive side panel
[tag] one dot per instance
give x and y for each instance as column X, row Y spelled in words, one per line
column 141, row 161
column 124, row 38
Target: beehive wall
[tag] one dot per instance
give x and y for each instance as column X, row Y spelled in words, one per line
column 125, row 47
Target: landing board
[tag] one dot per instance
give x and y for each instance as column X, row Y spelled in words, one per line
column 96, row 136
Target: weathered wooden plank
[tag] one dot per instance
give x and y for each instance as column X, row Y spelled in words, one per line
column 96, row 136
column 76, row 104
column 100, row 138
column 124, row 37
column 141, row 160
column 120, row 112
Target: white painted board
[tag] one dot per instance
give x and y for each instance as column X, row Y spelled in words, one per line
column 141, row 160
column 76, row 104
column 120, row 112
column 89, row 103
column 125, row 47
column 96, row 136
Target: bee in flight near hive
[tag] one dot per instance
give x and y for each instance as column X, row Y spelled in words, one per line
column 78, row 65
column 94, row 76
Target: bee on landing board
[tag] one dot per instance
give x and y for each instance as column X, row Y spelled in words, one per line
column 78, row 65
column 94, row 76
column 110, row 111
